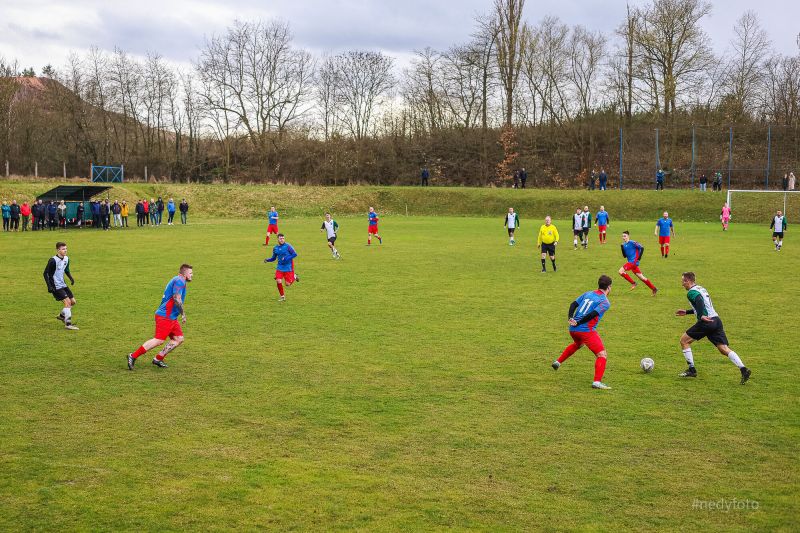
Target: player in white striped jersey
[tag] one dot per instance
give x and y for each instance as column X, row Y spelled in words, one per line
column 331, row 227
column 511, row 221
column 577, row 227
column 778, row 226
column 58, row 267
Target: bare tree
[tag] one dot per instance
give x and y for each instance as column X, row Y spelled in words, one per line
column 511, row 32
column 365, row 81
column 750, row 48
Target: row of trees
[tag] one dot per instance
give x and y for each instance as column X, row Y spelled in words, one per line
column 256, row 106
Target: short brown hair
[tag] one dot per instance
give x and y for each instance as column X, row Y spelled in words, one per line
column 604, row 282
column 184, row 267
column 626, row 232
column 689, row 276
column 60, row 244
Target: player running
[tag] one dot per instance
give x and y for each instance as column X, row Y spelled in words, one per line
column 547, row 241
column 587, row 225
column 725, row 216
column 511, row 221
column 602, row 220
column 272, row 229
column 284, row 271
column 330, row 227
column 577, row 227
column 167, row 314
column 663, row 230
column 372, row 229
column 708, row 325
column 632, row 251
column 57, row 267
column 584, row 315
column 778, row 226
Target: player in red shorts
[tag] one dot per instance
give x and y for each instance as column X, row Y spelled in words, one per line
column 664, row 229
column 602, row 220
column 632, row 251
column 372, row 229
column 584, row 314
column 284, row 272
column 167, row 325
column 272, row 229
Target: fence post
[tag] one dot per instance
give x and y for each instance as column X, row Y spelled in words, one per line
column 64, row 169
column 36, row 169
column 91, row 171
column 692, row 171
column 658, row 155
column 769, row 154
column 620, row 159
column 730, row 155
column 145, row 173
column 6, row 167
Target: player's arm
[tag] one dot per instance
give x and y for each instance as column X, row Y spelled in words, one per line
column 622, row 247
column 572, row 307
column 49, row 270
column 505, row 221
column 772, row 224
column 271, row 259
column 335, row 227
column 66, row 271
column 555, row 234
column 322, row 228
column 178, row 302
column 539, row 238
column 290, row 254
column 655, row 231
column 672, row 229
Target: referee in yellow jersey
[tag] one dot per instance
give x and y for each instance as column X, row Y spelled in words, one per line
column 547, row 240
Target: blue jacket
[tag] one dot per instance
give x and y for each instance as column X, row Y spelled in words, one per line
column 171, row 206
column 284, row 253
column 6, row 211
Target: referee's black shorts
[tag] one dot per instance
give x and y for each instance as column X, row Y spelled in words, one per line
column 549, row 249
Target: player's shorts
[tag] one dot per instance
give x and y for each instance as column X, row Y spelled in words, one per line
column 590, row 339
column 577, row 232
column 272, row 228
column 62, row 294
column 663, row 240
column 549, row 249
column 778, row 234
column 166, row 327
column 332, row 239
column 713, row 330
column 725, row 220
column 631, row 267
column 586, row 231
column 602, row 228
column 287, row 277
column 372, row 229
column 511, row 231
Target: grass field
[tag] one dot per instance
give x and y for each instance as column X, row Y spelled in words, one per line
column 407, row 386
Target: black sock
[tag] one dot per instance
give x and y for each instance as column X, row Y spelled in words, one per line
column 554, row 264
column 543, row 268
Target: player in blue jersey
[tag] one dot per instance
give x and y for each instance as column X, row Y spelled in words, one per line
column 584, row 315
column 284, row 253
column 167, row 325
column 272, row 228
column 602, row 220
column 632, row 251
column 664, row 229
column 372, row 229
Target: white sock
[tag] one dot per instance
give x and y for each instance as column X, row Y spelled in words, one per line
column 687, row 353
column 780, row 243
column 734, row 357
column 67, row 312
column 575, row 241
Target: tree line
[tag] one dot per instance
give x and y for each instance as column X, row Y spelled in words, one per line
column 255, row 106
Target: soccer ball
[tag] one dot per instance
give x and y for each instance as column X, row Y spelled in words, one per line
column 647, row 365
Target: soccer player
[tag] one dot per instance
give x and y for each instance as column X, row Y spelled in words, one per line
column 632, row 251
column 547, row 241
column 167, row 314
column 511, row 221
column 273, row 224
column 602, row 220
column 587, row 224
column 330, row 227
column 663, row 230
column 284, row 271
column 577, row 227
column 57, row 267
column 778, row 226
column 725, row 216
column 372, row 229
column 708, row 325
column 584, row 314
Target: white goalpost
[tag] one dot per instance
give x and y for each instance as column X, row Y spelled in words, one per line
column 784, row 193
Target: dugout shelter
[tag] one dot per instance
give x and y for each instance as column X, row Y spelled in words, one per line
column 72, row 196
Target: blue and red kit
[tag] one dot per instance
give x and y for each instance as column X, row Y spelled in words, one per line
column 167, row 309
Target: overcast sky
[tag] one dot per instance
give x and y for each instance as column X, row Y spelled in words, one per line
column 36, row 32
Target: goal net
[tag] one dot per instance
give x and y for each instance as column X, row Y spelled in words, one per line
column 756, row 206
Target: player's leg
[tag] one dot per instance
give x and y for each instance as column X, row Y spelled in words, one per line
column 147, row 345
column 646, row 282
column 66, row 312
column 544, row 258
column 553, row 261
column 575, row 239
column 686, row 341
column 719, row 339
column 174, row 342
column 577, row 342
column 626, row 276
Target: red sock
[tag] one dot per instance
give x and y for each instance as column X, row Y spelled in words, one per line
column 139, row 351
column 160, row 357
column 569, row 350
column 647, row 282
column 369, row 240
column 267, row 241
column 666, row 249
column 628, row 278
column 280, row 288
column 599, row 368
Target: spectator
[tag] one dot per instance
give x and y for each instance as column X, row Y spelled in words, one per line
column 107, row 218
column 523, row 177
column 703, row 182
column 79, row 217
column 592, row 180
column 139, row 213
column 25, row 211
column 170, row 211
column 425, row 175
column 184, row 207
column 791, row 181
column 785, row 182
column 6, row 216
column 153, row 213
column 14, row 208
column 145, row 212
column 104, row 214
column 660, row 180
column 124, row 213
column 95, row 214
column 603, row 179
column 52, row 214
column 717, row 185
column 516, row 179
column 160, row 207
column 39, row 215
column 62, row 214
column 116, row 210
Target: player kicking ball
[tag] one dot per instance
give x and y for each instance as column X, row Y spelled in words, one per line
column 284, row 271
column 372, row 228
column 708, row 325
column 511, row 221
column 632, row 251
column 330, row 227
column 584, row 315
column 58, row 267
column 167, row 314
